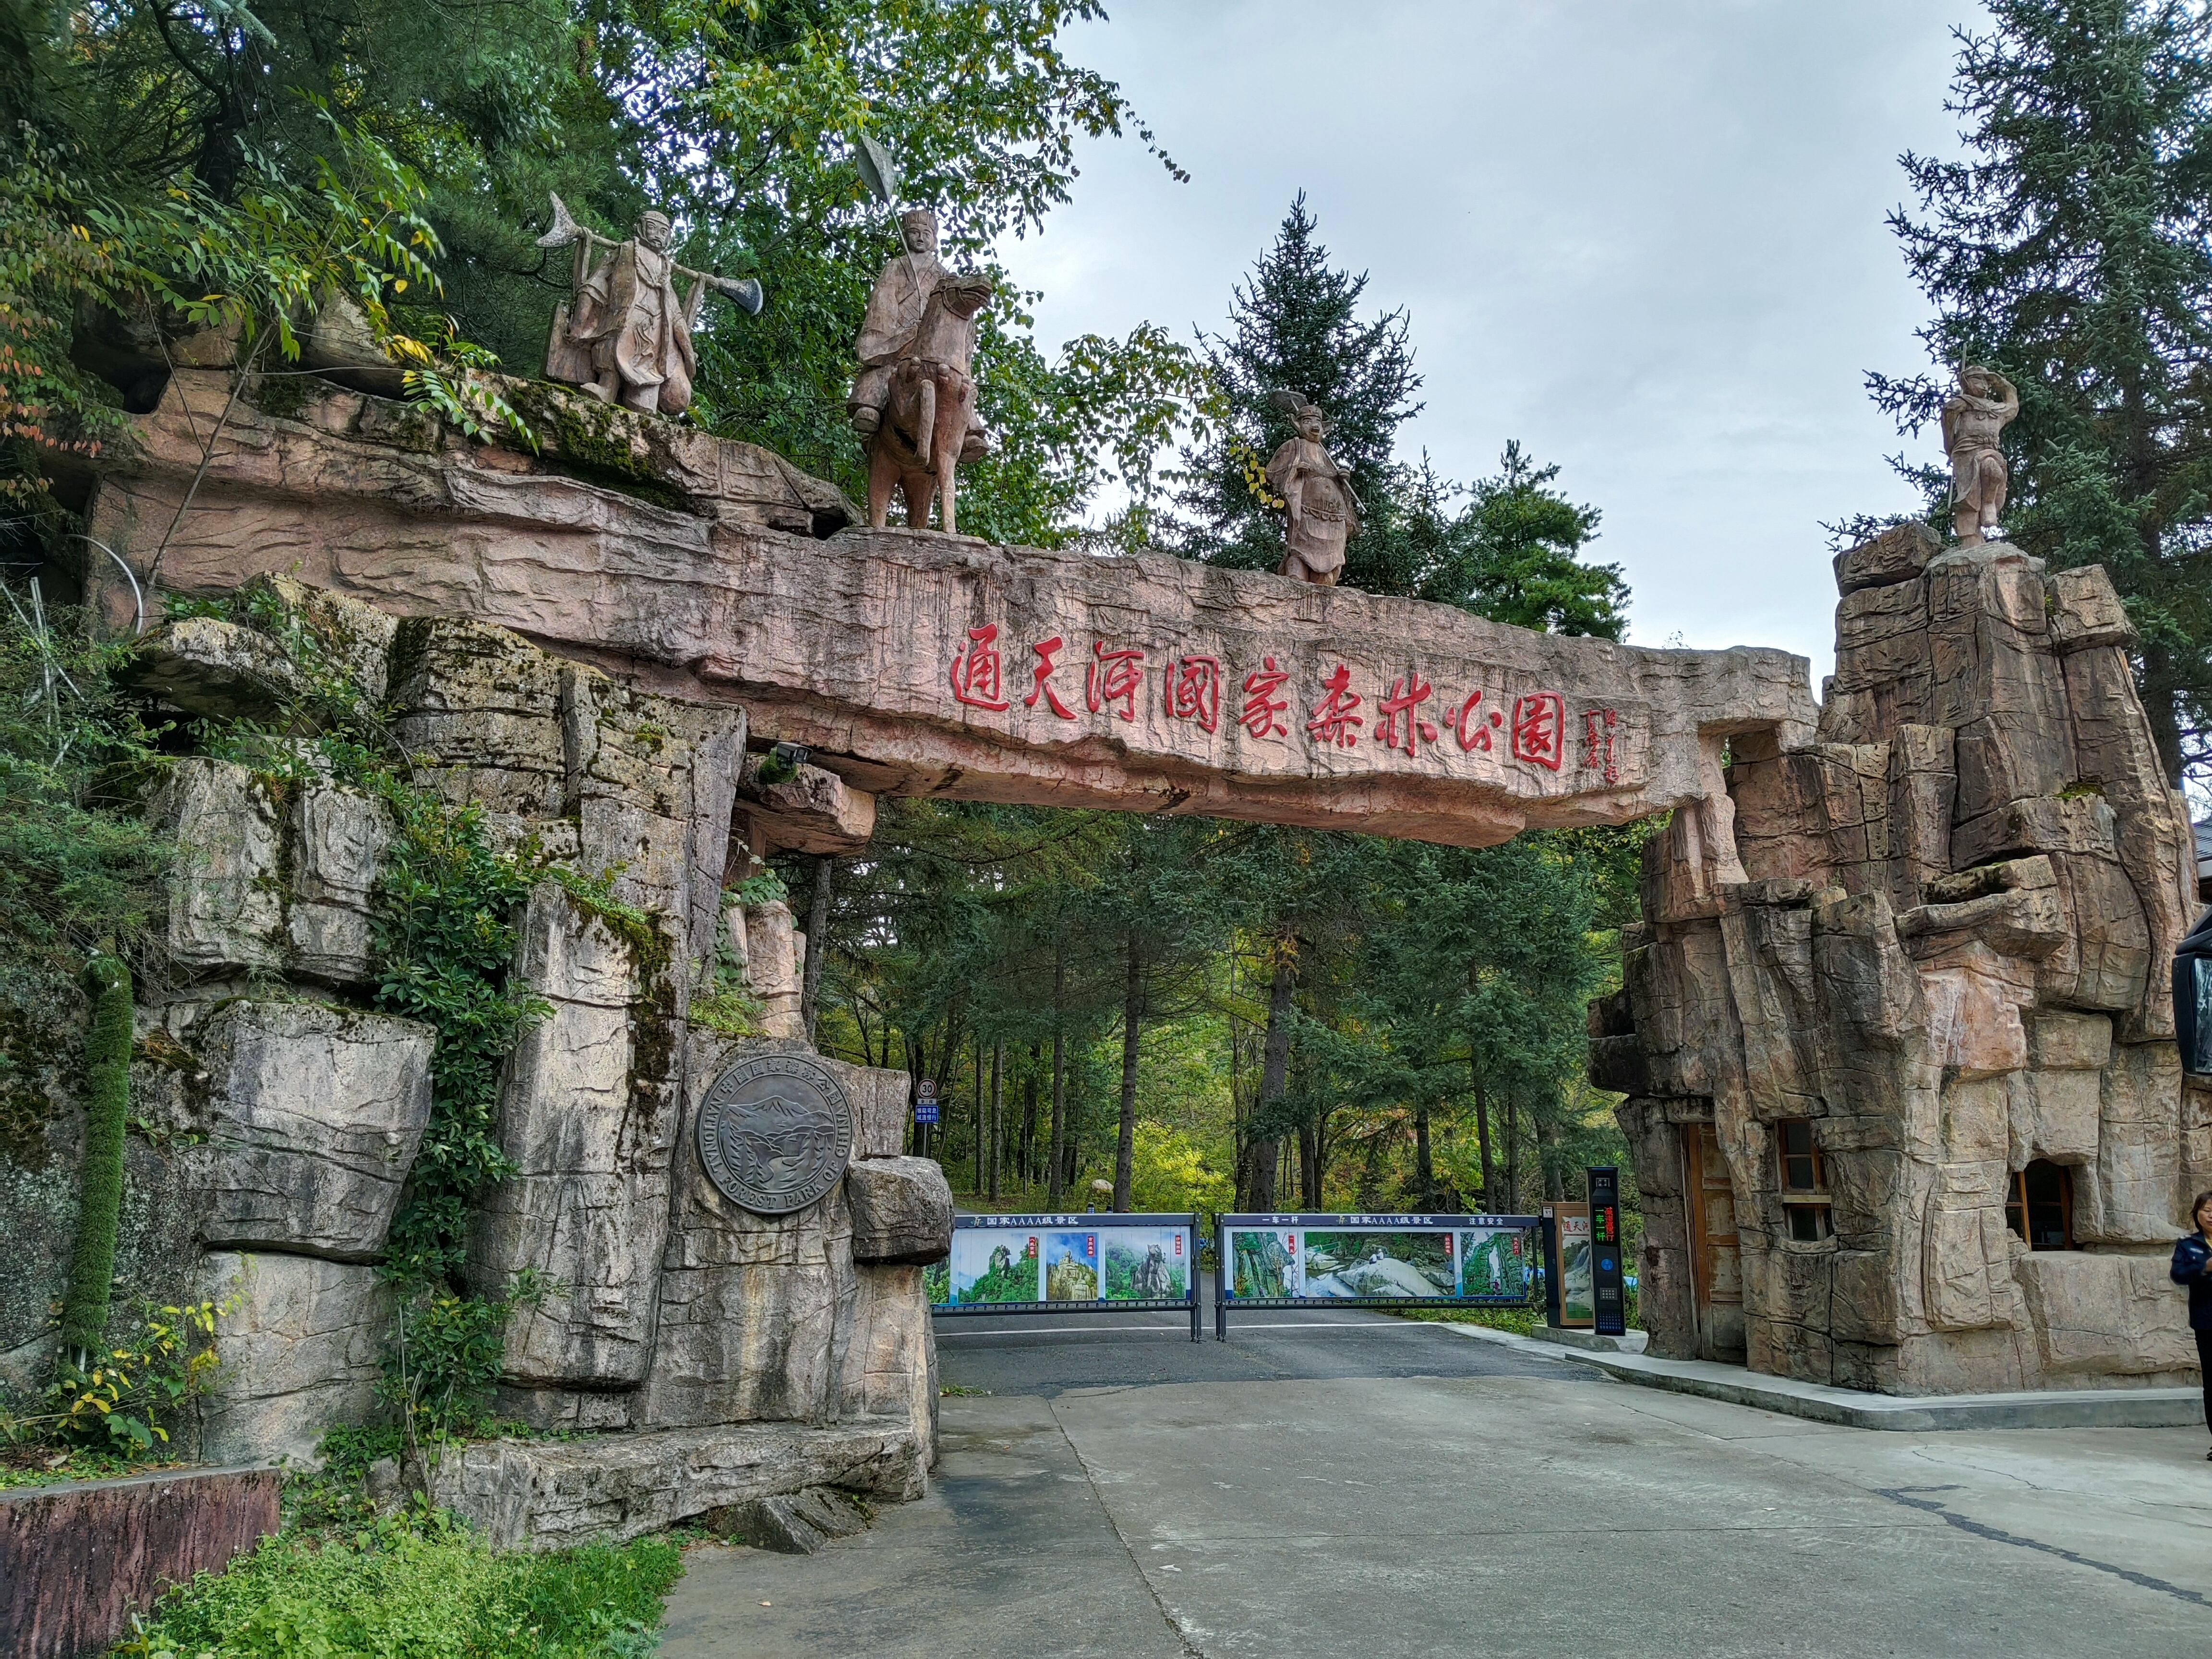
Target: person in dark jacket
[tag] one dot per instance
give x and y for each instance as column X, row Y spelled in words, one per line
column 2192, row 1266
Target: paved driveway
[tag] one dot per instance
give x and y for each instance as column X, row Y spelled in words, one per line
column 1369, row 1488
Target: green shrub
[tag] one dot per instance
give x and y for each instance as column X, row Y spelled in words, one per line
column 99, row 1182
column 416, row 1587
column 119, row 1397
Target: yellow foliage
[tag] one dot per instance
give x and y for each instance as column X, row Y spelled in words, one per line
column 1168, row 1172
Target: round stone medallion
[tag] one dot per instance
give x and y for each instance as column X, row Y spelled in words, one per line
column 775, row 1133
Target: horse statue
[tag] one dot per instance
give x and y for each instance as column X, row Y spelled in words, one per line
column 929, row 424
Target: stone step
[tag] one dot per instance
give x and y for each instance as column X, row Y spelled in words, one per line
column 611, row 1488
column 797, row 1524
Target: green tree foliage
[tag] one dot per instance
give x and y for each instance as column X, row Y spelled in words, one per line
column 1508, row 547
column 1514, row 554
column 417, row 1583
column 446, row 937
column 2072, row 249
column 79, row 880
column 217, row 132
column 1295, row 326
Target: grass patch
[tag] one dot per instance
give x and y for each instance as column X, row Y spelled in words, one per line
column 1522, row 1321
column 421, row 1586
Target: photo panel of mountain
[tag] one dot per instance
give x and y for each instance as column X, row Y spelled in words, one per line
column 1411, row 1265
column 1494, row 1264
column 1265, row 1265
column 994, row 1267
column 1012, row 1264
column 1071, row 1265
column 1382, row 1260
column 1146, row 1264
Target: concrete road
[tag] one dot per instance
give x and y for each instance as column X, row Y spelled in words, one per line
column 1369, row 1488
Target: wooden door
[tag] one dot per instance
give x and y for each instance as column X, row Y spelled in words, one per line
column 1716, row 1262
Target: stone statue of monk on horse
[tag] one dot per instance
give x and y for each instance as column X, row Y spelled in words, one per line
column 914, row 401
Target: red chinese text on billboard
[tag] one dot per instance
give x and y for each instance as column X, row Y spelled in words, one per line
column 1333, row 720
column 1601, row 742
column 1112, row 677
column 1473, row 724
column 1402, row 723
column 1043, row 672
column 1263, row 709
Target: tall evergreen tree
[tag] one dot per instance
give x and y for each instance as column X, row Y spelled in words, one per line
column 2072, row 249
column 1513, row 554
column 1296, row 327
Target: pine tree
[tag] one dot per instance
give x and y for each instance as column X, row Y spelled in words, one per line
column 2072, row 249
column 1513, row 554
column 1295, row 326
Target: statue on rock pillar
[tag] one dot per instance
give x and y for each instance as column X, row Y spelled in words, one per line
column 1323, row 513
column 626, row 336
column 1984, row 406
column 914, row 400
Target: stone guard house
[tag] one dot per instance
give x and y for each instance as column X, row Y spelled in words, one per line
column 1905, row 1104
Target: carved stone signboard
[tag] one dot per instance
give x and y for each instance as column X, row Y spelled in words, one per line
column 920, row 664
column 775, row 1134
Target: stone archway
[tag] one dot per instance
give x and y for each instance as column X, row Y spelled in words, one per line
column 589, row 641
column 915, row 663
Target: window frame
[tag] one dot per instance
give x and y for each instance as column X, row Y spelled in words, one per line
column 1808, row 1207
column 2017, row 1204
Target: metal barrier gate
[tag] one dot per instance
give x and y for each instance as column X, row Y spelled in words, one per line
column 1306, row 1261
column 1090, row 1263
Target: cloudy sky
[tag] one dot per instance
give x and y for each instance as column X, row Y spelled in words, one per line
column 1646, row 239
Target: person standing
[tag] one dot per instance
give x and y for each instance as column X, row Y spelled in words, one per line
column 2192, row 1266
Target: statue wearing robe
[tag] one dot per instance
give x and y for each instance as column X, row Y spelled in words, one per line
column 625, row 336
column 893, row 321
column 638, row 332
column 1324, row 513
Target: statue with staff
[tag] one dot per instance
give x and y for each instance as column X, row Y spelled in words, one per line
column 625, row 334
column 914, row 400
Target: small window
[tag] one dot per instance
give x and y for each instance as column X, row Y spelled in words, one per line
column 1801, row 1158
column 2040, row 1206
column 1804, row 1181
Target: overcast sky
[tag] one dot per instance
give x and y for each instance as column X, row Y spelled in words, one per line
column 1646, row 239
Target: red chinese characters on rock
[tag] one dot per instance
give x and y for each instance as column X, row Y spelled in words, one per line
column 1333, row 720
column 1113, row 676
column 975, row 672
column 1601, row 742
column 1539, row 729
column 1043, row 672
column 1473, row 724
column 1193, row 690
column 1402, row 723
column 1263, row 709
